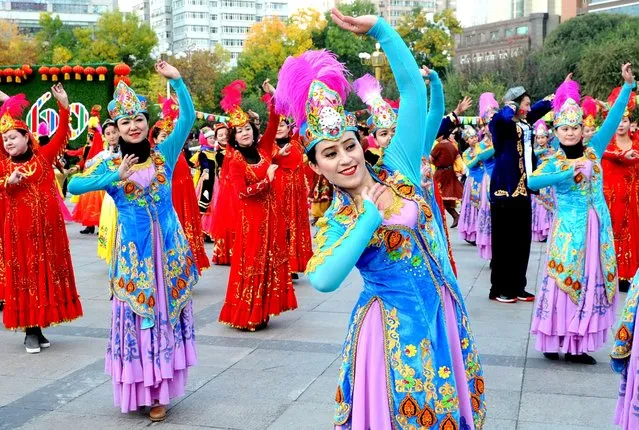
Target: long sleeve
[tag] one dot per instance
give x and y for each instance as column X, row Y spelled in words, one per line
column 625, row 330
column 51, row 151
column 538, row 111
column 291, row 161
column 486, row 153
column 550, row 173
column 470, row 158
column 619, row 157
column 601, row 139
column 95, row 179
column 405, row 151
column 501, row 122
column 172, row 145
column 337, row 251
column 435, row 112
column 267, row 141
column 238, row 179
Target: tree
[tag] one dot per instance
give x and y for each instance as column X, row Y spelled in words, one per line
column 53, row 34
column 430, row 40
column 61, row 55
column 14, row 47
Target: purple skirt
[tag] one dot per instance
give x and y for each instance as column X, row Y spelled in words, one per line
column 468, row 214
column 561, row 325
column 542, row 220
column 149, row 366
column 627, row 411
column 370, row 405
column 484, row 224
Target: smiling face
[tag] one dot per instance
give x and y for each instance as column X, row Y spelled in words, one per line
column 112, row 135
column 624, row 127
column 161, row 136
column 570, row 135
column 211, row 140
column 222, row 136
column 341, row 162
column 244, row 135
column 589, row 132
column 383, row 136
column 541, row 140
column 472, row 140
column 133, row 130
column 15, row 143
column 282, row 130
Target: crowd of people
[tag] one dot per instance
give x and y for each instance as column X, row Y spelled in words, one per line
column 379, row 193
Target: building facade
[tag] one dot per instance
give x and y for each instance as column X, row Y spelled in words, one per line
column 393, row 10
column 472, row 13
column 627, row 7
column 76, row 13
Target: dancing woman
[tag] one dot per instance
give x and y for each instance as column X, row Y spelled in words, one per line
column 409, row 359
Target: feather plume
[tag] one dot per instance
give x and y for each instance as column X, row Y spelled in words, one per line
column 589, row 106
column 232, row 95
column 487, row 101
column 43, row 129
column 298, row 73
column 170, row 108
column 567, row 90
column 14, row 106
column 540, row 123
column 614, row 95
column 367, row 88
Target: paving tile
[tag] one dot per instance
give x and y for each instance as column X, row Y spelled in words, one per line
column 304, row 416
column 562, row 410
column 564, row 380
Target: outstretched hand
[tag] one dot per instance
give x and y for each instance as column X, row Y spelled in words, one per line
column 357, row 25
column 626, row 72
column 60, row 95
column 463, row 105
column 126, row 167
column 166, row 70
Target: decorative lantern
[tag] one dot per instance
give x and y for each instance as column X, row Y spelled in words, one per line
column 54, row 72
column 27, row 70
column 78, row 70
column 19, row 74
column 89, row 71
column 101, row 71
column 66, row 69
column 122, row 69
column 124, row 79
column 8, row 73
column 44, row 71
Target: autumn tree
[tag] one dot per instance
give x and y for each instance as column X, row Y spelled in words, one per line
column 14, row 47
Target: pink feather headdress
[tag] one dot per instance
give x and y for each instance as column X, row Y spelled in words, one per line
column 11, row 112
column 231, row 103
column 370, row 91
column 540, row 128
column 43, row 129
column 487, row 104
column 589, row 108
column 566, row 105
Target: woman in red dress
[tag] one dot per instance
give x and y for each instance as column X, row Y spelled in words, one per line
column 621, row 188
column 260, row 284
column 182, row 188
column 40, row 286
column 87, row 210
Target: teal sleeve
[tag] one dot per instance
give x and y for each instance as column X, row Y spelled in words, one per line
column 470, row 160
column 94, row 179
column 486, row 154
column 405, row 151
column 436, row 112
column 172, row 145
column 542, row 178
column 602, row 138
column 337, row 250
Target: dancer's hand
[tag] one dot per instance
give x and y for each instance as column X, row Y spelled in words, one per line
column 126, row 167
column 631, row 155
column 568, row 77
column 205, row 175
column 463, row 105
column 267, row 87
column 285, row 150
column 626, row 73
column 60, row 95
column 270, row 173
column 16, row 176
column 357, row 25
column 374, row 195
column 166, row 70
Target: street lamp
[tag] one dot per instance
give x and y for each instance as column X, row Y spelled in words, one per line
column 377, row 60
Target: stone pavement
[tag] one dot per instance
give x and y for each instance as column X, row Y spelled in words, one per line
column 284, row 378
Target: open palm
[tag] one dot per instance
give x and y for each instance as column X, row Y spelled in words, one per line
column 357, row 25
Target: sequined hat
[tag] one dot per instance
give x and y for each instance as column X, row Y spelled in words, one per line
column 589, row 108
column 513, row 94
column 632, row 103
column 11, row 112
column 382, row 114
column 231, row 103
column 468, row 132
column 541, row 129
column 126, row 104
column 566, row 105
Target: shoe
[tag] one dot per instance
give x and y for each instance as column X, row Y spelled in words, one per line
column 506, row 299
column 455, row 222
column 493, row 296
column 1, row 306
column 157, row 413
column 526, row 297
column 471, row 242
column 554, row 356
column 88, row 230
column 624, row 286
column 295, row 276
column 207, row 239
column 581, row 359
column 31, row 344
column 43, row 341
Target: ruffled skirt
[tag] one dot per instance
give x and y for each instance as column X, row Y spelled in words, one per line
column 484, row 222
column 468, row 214
column 87, row 211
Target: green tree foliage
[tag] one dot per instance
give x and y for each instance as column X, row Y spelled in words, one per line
column 53, row 34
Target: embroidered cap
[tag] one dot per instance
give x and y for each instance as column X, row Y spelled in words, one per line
column 126, row 104
column 468, row 132
column 566, row 105
column 382, row 114
column 514, row 93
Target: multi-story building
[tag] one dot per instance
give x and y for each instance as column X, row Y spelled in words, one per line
column 479, row 12
column 393, row 10
column 629, row 7
column 76, row 13
column 187, row 25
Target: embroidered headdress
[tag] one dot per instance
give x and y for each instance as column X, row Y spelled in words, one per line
column 632, row 103
column 219, row 126
column 589, row 108
column 382, row 114
column 488, row 105
column 11, row 112
column 541, row 129
column 468, row 132
column 312, row 89
column 125, row 103
column 231, row 103
column 566, row 105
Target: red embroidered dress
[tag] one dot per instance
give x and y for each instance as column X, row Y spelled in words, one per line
column 40, row 286
column 621, row 189
column 222, row 233
column 87, row 210
column 259, row 283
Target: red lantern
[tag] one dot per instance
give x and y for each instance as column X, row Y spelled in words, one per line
column 66, row 69
column 124, row 79
column 8, row 73
column 122, row 69
column 101, row 71
column 78, row 70
column 27, row 70
column 89, row 71
column 44, row 71
column 19, row 74
column 54, row 72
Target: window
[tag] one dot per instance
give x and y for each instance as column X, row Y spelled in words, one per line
column 212, row 4
column 233, row 42
column 213, row 30
column 510, row 32
column 494, row 35
column 234, row 30
column 238, row 17
column 70, row 8
column 522, row 31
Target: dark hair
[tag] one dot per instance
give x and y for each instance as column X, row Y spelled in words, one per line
column 519, row 99
column 156, row 132
column 146, row 115
column 222, row 128
column 312, row 153
column 108, row 124
column 233, row 142
column 43, row 140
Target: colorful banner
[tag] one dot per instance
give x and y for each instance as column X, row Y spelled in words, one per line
column 79, row 117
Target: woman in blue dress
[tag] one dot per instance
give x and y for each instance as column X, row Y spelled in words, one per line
column 409, row 359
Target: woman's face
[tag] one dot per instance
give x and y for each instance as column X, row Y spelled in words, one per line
column 624, row 127
column 244, row 135
column 541, row 140
column 282, row 130
column 383, row 136
column 588, row 132
column 133, row 130
column 472, row 140
column 570, row 135
column 211, row 140
column 222, row 136
column 15, row 143
column 112, row 135
column 342, row 163
column 161, row 137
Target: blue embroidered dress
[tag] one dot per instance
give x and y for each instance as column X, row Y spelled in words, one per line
column 409, row 332
column 471, row 200
column 485, row 155
column 543, row 204
column 152, row 272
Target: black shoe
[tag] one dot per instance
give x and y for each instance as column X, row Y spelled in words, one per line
column 526, row 297
column 554, row 356
column 88, row 230
column 295, row 276
column 490, row 265
column 31, row 344
column 581, row 359
column 506, row 299
column 1, row 306
column 471, row 242
column 43, row 341
column 624, row 286
column 207, row 239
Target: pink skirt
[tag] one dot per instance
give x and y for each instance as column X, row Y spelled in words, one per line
column 561, row 325
column 484, row 223
column 541, row 221
column 627, row 411
column 468, row 214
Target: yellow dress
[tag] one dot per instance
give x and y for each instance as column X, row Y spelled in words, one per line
column 108, row 229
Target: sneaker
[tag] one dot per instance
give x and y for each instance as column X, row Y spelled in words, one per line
column 31, row 344
column 43, row 341
column 506, row 299
column 526, row 297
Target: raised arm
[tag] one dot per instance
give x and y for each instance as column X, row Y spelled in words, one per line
column 337, row 249
column 172, row 145
column 539, row 110
column 51, row 151
column 470, row 158
column 98, row 177
column 267, row 141
column 435, row 112
column 601, row 139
